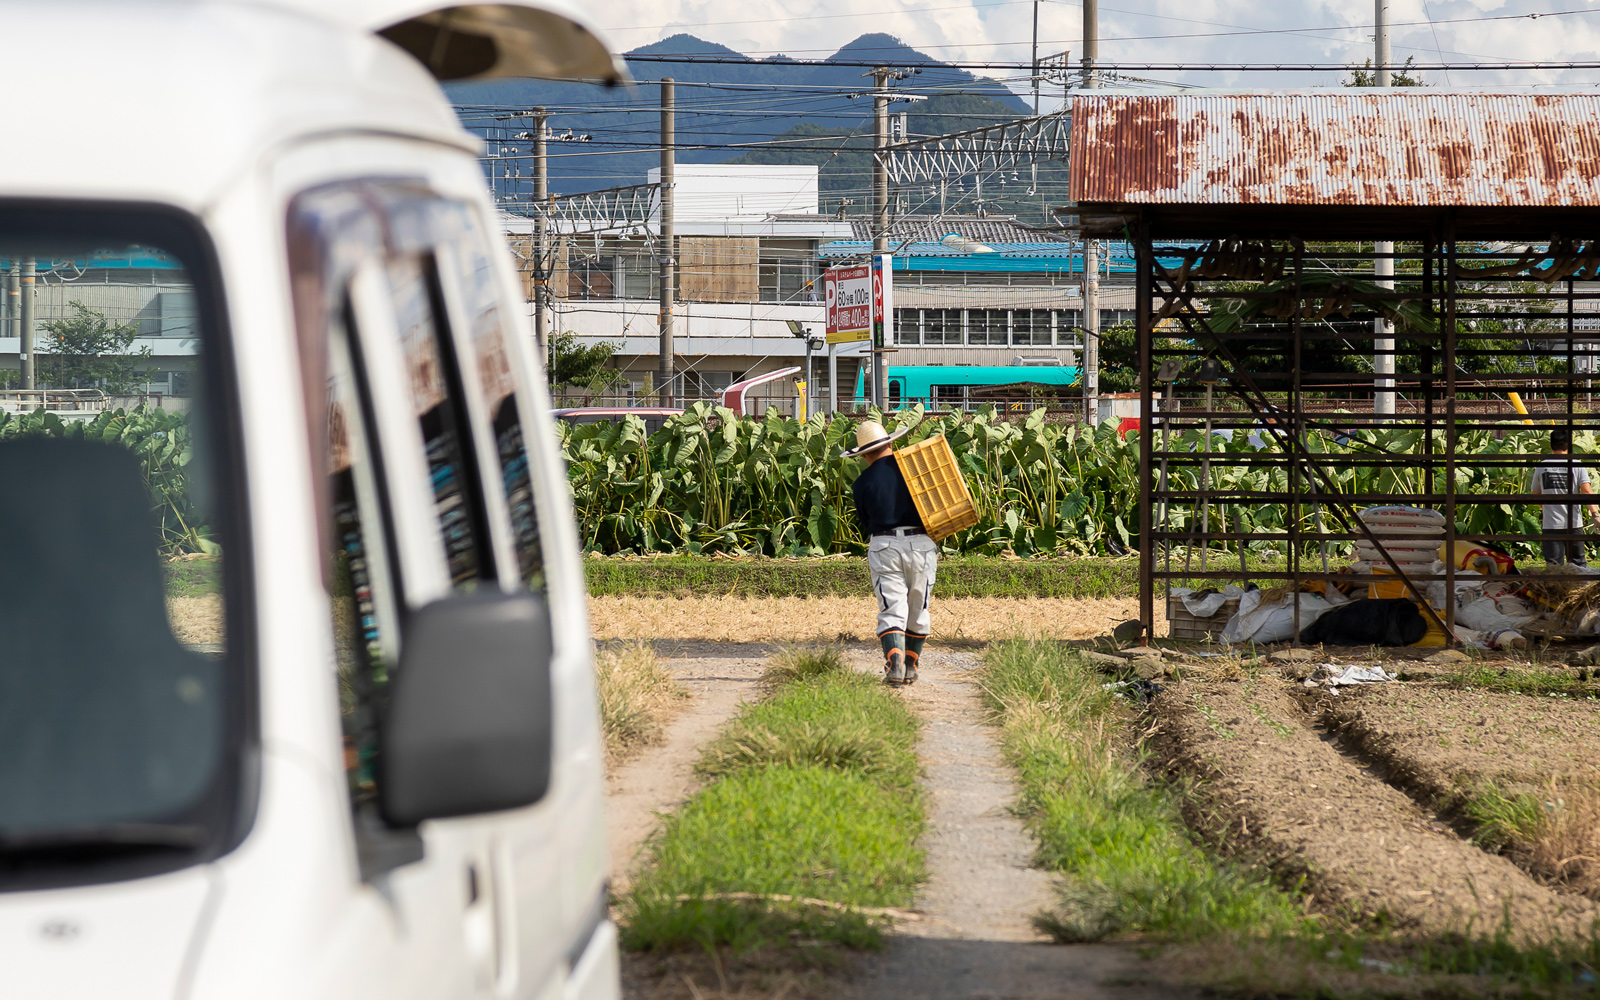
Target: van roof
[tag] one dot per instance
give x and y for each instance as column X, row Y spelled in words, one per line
column 198, row 90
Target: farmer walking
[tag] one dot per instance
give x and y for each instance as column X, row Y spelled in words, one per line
column 900, row 556
column 1560, row 474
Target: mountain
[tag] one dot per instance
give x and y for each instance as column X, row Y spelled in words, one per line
column 719, row 117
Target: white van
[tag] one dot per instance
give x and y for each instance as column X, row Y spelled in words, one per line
column 295, row 682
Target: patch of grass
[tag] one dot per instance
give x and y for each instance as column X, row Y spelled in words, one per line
column 1514, row 680
column 1554, row 831
column 959, row 576
column 1098, row 820
column 779, row 830
column 193, row 576
column 808, row 828
column 792, row 663
column 1501, row 818
column 839, row 721
column 637, row 692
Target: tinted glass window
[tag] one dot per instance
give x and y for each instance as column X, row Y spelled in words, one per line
column 122, row 712
column 491, row 347
column 415, row 303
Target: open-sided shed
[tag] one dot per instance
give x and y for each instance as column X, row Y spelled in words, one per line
column 1491, row 204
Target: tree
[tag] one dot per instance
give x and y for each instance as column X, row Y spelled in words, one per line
column 90, row 351
column 573, row 363
column 1365, row 76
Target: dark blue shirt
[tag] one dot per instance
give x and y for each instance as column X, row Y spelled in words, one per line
column 882, row 499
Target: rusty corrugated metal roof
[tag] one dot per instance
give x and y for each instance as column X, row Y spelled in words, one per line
column 1338, row 147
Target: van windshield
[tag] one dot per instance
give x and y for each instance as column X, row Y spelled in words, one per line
column 120, row 738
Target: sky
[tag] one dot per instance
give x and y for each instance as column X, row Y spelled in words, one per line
column 1170, row 31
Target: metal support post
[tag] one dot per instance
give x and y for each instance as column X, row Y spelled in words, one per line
column 1383, row 250
column 1036, row 57
column 880, row 220
column 26, row 314
column 1091, row 252
column 666, row 248
column 541, row 252
column 833, row 378
column 1091, row 333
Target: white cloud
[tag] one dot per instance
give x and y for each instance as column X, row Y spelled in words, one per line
column 1186, row 31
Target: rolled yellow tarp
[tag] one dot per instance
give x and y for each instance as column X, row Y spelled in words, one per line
column 1516, row 401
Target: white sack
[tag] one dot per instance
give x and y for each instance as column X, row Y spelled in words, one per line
column 1272, row 622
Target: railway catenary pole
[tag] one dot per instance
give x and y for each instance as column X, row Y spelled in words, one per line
column 1036, row 57
column 880, row 220
column 1091, row 250
column 14, row 299
column 541, row 225
column 26, row 313
column 665, row 248
column 1382, row 250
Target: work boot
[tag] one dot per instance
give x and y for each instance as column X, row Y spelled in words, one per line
column 913, row 655
column 894, row 656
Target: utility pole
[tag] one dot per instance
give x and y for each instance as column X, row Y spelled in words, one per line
column 1091, row 250
column 26, row 314
column 880, row 219
column 1036, row 57
column 542, row 267
column 666, row 246
column 14, row 299
column 1383, row 250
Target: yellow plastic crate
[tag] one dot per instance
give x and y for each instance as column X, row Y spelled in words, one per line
column 937, row 487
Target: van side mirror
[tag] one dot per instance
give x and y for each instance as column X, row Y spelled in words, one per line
column 470, row 722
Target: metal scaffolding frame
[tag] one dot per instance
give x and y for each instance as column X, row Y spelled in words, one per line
column 1484, row 303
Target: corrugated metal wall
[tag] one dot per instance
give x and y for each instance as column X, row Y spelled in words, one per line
column 1353, row 147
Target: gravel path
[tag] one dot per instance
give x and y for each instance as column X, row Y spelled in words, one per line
column 977, row 941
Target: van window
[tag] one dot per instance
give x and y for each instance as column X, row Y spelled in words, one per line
column 125, row 671
column 439, row 414
column 491, row 344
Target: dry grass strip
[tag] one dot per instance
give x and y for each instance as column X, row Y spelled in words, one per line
column 637, row 695
column 826, row 619
column 196, row 620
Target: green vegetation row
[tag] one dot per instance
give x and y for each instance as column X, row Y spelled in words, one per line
column 1131, row 867
column 710, row 481
column 812, row 801
column 1118, row 837
column 162, row 441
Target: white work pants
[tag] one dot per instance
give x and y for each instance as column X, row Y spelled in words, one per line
column 903, row 568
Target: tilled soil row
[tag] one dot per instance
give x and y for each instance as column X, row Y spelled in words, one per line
column 1366, row 848
column 1435, row 739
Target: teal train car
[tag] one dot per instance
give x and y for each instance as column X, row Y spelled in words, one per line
column 951, row 385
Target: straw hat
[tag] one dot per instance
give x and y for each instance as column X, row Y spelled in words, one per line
column 869, row 436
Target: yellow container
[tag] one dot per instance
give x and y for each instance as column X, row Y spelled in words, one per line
column 937, row 487
column 1389, row 589
column 1434, row 635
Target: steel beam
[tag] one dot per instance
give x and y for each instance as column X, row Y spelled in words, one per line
column 622, row 208
column 980, row 150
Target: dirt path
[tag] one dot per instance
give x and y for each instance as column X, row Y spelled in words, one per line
column 976, row 940
column 718, row 677
column 827, row 619
column 1363, row 843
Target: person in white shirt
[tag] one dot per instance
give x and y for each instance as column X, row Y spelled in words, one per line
column 1561, row 473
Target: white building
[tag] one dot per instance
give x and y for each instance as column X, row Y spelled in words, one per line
column 747, row 264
